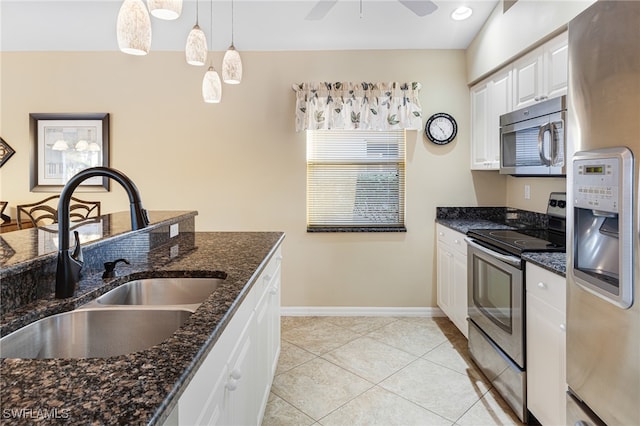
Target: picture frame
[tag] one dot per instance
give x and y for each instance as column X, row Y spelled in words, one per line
column 64, row 144
column 5, row 152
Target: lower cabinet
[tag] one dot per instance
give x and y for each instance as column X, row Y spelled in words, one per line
column 452, row 276
column 232, row 385
column 546, row 345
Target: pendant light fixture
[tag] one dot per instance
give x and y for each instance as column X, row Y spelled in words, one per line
column 211, row 85
column 165, row 9
column 196, row 50
column 231, row 63
column 133, row 28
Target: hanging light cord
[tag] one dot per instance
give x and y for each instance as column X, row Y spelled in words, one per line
column 197, row 12
column 232, row 22
column 211, row 31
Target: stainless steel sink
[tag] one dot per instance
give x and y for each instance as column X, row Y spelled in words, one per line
column 93, row 333
column 161, row 291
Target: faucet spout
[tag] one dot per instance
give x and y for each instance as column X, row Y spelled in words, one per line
column 70, row 264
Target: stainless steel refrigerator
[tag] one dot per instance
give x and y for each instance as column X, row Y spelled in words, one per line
column 603, row 264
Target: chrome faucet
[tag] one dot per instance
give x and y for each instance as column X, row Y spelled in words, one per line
column 70, row 263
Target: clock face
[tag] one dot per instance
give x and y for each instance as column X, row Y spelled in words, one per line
column 441, row 128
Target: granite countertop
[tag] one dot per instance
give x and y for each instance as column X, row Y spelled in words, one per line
column 463, row 219
column 142, row 387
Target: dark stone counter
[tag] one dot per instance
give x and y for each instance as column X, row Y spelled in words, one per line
column 142, row 387
column 462, row 219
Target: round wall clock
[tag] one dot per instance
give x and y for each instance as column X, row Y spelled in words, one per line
column 441, row 128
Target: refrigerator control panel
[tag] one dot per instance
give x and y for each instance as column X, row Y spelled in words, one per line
column 596, row 184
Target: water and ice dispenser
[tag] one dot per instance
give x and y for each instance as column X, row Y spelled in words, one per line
column 602, row 192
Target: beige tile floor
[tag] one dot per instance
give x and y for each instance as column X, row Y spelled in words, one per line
column 379, row 371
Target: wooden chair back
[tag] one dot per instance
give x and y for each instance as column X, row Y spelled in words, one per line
column 45, row 212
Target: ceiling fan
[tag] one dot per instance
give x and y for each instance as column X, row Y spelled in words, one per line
column 419, row 7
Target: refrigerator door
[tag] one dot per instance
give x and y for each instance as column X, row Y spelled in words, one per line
column 603, row 339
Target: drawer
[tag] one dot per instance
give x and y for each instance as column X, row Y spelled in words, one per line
column 547, row 286
column 453, row 238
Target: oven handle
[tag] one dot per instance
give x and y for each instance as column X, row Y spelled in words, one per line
column 511, row 260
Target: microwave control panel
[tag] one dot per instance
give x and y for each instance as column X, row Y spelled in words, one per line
column 596, row 184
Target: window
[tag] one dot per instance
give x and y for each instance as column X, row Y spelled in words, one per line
column 355, row 180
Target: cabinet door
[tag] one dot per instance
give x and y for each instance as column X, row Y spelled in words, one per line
column 489, row 100
column 556, row 66
column 460, row 292
column 479, row 118
column 528, row 79
column 445, row 278
column 500, row 101
column 240, row 396
column 546, row 365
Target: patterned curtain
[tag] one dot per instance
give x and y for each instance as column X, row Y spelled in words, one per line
column 366, row 106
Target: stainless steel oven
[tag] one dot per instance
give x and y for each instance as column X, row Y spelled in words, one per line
column 496, row 297
column 496, row 308
column 496, row 320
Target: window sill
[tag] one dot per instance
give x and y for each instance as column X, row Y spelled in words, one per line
column 325, row 229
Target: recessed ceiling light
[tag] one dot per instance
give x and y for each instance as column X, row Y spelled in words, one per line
column 461, row 13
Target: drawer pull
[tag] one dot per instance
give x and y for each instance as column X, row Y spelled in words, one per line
column 274, row 290
column 456, row 241
column 441, row 233
column 542, row 285
column 563, row 327
column 234, row 377
column 267, row 277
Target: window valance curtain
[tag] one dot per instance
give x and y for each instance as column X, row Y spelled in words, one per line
column 366, row 106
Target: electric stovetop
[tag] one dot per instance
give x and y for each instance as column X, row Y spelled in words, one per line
column 521, row 240
column 518, row 241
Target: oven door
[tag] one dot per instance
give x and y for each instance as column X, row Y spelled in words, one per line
column 496, row 297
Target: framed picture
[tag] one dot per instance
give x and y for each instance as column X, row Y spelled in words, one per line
column 63, row 145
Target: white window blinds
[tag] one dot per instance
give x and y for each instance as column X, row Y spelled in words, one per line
column 355, row 179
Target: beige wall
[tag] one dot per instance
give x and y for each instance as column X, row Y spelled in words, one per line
column 539, row 188
column 242, row 165
column 504, row 36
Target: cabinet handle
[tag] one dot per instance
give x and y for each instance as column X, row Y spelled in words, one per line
column 456, row 241
column 236, row 374
column 273, row 290
column 232, row 384
column 563, row 327
column 450, row 254
column 234, row 377
column 267, row 277
column 441, row 233
column 542, row 285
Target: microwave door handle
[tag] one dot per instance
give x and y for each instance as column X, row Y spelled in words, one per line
column 555, row 137
column 544, row 129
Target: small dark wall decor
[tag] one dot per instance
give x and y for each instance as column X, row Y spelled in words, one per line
column 63, row 145
column 5, row 152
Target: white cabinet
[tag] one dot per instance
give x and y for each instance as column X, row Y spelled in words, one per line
column 452, row 276
column 556, row 65
column 232, row 385
column 542, row 73
column 489, row 100
column 539, row 75
column 546, row 345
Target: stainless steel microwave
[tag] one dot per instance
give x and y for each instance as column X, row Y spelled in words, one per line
column 533, row 140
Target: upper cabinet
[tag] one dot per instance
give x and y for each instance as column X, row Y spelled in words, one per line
column 489, row 100
column 542, row 73
column 536, row 76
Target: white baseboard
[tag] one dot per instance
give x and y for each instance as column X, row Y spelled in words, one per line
column 351, row 311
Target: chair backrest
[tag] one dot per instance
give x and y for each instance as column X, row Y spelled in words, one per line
column 45, row 212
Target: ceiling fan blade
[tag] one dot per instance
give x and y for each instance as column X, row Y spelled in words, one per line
column 420, row 7
column 320, row 10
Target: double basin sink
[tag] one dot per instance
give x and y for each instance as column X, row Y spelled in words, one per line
column 133, row 316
